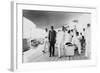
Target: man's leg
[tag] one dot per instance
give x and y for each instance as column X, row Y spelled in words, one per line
column 50, row 49
column 53, row 47
column 59, row 50
column 79, row 49
column 44, row 51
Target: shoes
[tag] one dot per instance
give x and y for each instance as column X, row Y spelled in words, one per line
column 49, row 56
column 53, row 55
column 43, row 51
column 60, row 57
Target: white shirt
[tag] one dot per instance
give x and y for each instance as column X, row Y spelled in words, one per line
column 60, row 36
column 46, row 36
column 68, row 37
column 75, row 40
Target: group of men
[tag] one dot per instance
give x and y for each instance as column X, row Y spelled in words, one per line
column 61, row 38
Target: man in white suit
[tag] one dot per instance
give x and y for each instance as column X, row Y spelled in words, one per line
column 60, row 42
column 76, row 41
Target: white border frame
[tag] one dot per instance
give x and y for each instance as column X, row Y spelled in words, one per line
column 17, row 37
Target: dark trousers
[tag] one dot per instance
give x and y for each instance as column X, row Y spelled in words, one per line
column 52, row 48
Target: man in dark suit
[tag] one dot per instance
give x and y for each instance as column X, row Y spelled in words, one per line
column 52, row 41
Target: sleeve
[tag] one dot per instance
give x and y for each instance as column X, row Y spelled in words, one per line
column 55, row 34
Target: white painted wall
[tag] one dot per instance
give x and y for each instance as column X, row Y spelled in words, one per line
column 5, row 35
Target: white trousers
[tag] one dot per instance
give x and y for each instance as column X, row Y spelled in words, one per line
column 46, row 45
column 60, row 49
column 79, row 47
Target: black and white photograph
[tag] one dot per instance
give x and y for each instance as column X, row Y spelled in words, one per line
column 49, row 36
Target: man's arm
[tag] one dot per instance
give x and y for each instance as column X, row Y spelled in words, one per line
column 55, row 34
